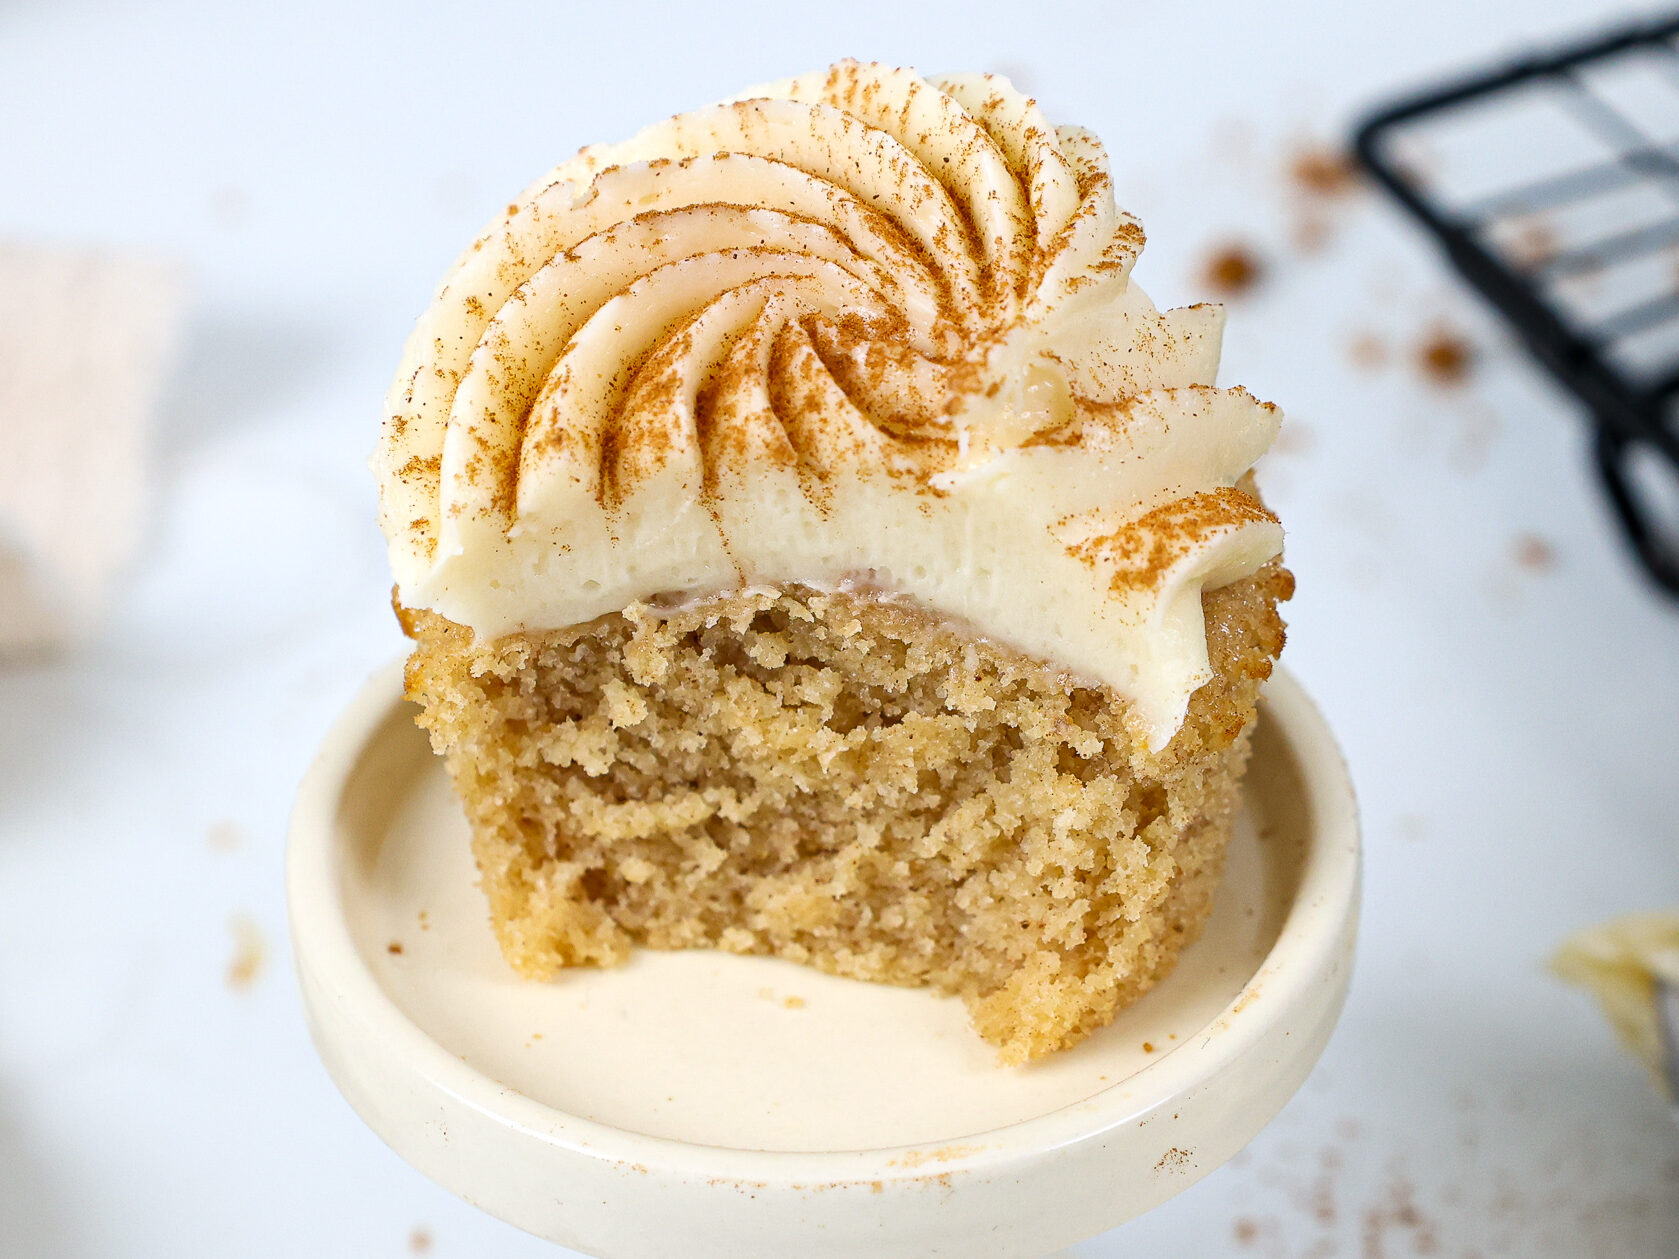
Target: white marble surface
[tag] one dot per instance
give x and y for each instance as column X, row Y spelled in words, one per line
column 1510, row 726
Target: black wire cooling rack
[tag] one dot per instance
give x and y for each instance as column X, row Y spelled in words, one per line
column 1553, row 185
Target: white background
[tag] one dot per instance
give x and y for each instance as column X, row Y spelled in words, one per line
column 1511, row 727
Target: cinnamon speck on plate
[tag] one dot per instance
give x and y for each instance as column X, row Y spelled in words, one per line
column 223, row 836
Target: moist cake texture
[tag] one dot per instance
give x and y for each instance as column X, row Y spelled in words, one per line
column 816, row 545
column 846, row 782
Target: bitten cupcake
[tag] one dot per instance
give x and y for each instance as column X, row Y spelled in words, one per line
column 815, row 545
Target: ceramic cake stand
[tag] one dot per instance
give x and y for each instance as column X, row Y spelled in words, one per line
column 708, row 1105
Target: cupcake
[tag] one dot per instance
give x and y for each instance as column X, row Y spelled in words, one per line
column 814, row 544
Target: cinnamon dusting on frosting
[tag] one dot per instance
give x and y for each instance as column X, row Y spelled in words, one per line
column 854, row 320
column 1144, row 553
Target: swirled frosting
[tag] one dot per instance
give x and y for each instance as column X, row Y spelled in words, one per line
column 850, row 327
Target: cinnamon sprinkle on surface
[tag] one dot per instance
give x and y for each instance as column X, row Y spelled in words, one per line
column 1533, row 553
column 249, row 954
column 1533, row 244
column 1293, row 438
column 1324, row 171
column 1232, row 270
column 1445, row 358
column 1368, row 351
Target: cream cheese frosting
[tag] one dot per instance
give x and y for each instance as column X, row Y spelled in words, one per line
column 855, row 326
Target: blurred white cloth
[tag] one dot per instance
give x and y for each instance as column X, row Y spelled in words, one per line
column 86, row 338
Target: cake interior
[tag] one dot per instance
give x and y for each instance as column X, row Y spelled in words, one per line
column 846, row 781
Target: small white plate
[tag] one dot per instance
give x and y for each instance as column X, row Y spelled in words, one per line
column 705, row 1104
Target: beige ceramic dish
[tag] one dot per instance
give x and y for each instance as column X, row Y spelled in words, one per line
column 711, row 1105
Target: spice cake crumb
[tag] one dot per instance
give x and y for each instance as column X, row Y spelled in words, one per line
column 850, row 783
